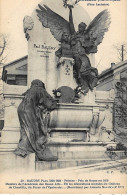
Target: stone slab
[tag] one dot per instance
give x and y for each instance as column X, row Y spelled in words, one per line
column 42, row 165
column 81, row 155
column 9, row 161
column 78, row 146
column 72, row 154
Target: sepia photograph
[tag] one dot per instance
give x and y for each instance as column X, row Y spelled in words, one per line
column 63, row 96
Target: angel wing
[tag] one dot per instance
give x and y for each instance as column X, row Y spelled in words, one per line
column 53, row 21
column 94, row 34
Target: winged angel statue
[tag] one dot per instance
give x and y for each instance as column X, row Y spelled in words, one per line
column 80, row 43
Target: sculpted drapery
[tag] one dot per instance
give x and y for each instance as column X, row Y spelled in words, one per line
column 33, row 113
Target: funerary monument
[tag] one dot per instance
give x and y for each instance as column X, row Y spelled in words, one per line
column 62, row 121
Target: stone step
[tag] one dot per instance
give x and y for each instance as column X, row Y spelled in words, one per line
column 107, row 165
column 79, row 154
column 69, row 150
column 44, row 165
column 118, row 154
column 78, row 146
column 64, row 146
column 72, row 154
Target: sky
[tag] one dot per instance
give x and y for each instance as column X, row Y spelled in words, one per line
column 12, row 13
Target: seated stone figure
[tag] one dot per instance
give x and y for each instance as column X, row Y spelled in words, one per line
column 33, row 113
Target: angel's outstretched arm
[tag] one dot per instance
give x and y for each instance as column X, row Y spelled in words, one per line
column 71, row 24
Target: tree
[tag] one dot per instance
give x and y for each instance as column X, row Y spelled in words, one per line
column 121, row 51
column 3, row 56
column 3, row 48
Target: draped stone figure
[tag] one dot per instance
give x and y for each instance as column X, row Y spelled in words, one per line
column 34, row 113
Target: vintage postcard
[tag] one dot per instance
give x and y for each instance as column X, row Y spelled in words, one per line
column 63, row 96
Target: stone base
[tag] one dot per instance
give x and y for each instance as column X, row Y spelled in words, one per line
column 72, row 154
column 60, row 164
column 9, row 162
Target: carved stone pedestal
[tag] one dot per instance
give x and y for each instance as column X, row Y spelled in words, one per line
column 65, row 73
